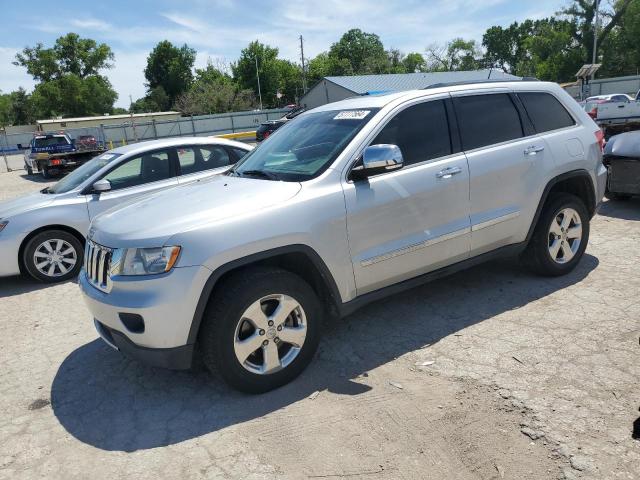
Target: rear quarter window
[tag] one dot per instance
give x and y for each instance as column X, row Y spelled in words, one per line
column 545, row 111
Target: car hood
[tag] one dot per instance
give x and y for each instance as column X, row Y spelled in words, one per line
column 151, row 221
column 24, row 204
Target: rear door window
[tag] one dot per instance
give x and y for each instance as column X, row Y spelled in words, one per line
column 546, row 112
column 421, row 131
column 487, row 119
column 200, row 158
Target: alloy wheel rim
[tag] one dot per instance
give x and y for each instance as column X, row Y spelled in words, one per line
column 270, row 334
column 55, row 257
column 565, row 235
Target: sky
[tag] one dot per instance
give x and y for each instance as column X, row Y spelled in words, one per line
column 220, row 29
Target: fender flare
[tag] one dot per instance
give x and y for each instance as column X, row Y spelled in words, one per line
column 212, row 281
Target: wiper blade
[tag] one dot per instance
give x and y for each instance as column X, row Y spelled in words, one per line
column 258, row 173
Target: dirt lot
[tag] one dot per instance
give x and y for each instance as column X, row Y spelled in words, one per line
column 491, row 373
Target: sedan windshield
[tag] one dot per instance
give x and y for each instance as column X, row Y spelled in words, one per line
column 304, row 147
column 78, row 176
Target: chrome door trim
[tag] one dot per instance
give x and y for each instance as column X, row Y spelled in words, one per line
column 494, row 221
column 413, row 247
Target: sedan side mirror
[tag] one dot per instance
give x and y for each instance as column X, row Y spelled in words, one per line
column 102, row 185
column 378, row 159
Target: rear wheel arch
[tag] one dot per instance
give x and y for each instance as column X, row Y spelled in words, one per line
column 300, row 259
column 575, row 182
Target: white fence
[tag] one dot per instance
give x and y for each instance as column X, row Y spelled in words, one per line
column 116, row 135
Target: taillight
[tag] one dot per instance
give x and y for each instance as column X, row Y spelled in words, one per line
column 600, row 138
column 266, row 134
column 593, row 113
column 56, row 161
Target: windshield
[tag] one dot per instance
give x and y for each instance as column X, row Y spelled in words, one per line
column 78, row 176
column 50, row 141
column 304, row 147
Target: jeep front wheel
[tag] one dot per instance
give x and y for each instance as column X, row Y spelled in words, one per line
column 261, row 329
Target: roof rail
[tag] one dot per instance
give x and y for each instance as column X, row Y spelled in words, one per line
column 473, row 82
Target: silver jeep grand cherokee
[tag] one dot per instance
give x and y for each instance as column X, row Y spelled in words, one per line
column 343, row 205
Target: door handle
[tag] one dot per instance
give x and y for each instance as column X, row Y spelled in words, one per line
column 448, row 172
column 533, row 149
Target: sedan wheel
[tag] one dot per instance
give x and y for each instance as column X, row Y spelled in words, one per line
column 53, row 256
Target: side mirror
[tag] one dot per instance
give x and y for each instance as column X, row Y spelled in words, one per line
column 378, row 159
column 102, row 185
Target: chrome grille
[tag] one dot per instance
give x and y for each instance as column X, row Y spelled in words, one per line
column 97, row 265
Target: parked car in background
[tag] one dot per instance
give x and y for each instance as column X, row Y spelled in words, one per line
column 614, row 97
column 53, row 153
column 622, row 159
column 43, row 234
column 267, row 128
column 349, row 202
column 87, row 142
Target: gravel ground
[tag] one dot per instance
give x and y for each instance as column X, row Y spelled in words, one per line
column 490, row 373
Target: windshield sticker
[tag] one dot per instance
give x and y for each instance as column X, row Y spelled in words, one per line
column 107, row 156
column 352, row 115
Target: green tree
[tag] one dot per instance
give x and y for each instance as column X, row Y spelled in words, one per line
column 21, row 107
column 276, row 75
column 458, row 54
column 169, row 68
column 70, row 83
column 582, row 14
column 362, row 51
column 5, row 109
column 414, row 62
column 214, row 91
column 70, row 54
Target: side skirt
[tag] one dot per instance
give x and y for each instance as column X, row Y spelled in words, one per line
column 508, row 251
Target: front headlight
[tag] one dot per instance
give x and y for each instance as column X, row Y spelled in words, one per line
column 145, row 261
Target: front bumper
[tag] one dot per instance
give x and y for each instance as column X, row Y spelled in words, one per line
column 166, row 304
column 9, row 251
column 178, row 358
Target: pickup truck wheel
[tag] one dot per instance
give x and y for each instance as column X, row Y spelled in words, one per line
column 261, row 329
column 560, row 236
column 53, row 256
column 45, row 172
column 29, row 171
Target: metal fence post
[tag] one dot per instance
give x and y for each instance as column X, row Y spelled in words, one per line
column 193, row 126
column 233, row 128
column 125, row 140
column 4, row 150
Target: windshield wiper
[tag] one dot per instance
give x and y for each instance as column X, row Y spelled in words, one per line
column 258, row 173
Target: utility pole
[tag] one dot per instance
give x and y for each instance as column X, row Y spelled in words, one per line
column 595, row 35
column 304, row 70
column 258, row 77
column 133, row 125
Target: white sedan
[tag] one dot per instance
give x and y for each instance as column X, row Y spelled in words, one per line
column 43, row 233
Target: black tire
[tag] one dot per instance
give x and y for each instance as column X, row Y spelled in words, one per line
column 29, row 171
column 224, row 313
column 537, row 255
column 29, row 263
column 46, row 174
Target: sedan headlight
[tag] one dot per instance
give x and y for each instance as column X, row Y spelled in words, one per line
column 145, row 261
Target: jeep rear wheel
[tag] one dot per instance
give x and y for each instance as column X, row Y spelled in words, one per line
column 261, row 329
column 560, row 236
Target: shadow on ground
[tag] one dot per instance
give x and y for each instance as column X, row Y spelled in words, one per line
column 623, row 209
column 112, row 403
column 18, row 285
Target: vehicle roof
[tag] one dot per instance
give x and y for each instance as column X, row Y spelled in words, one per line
column 146, row 145
column 379, row 101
